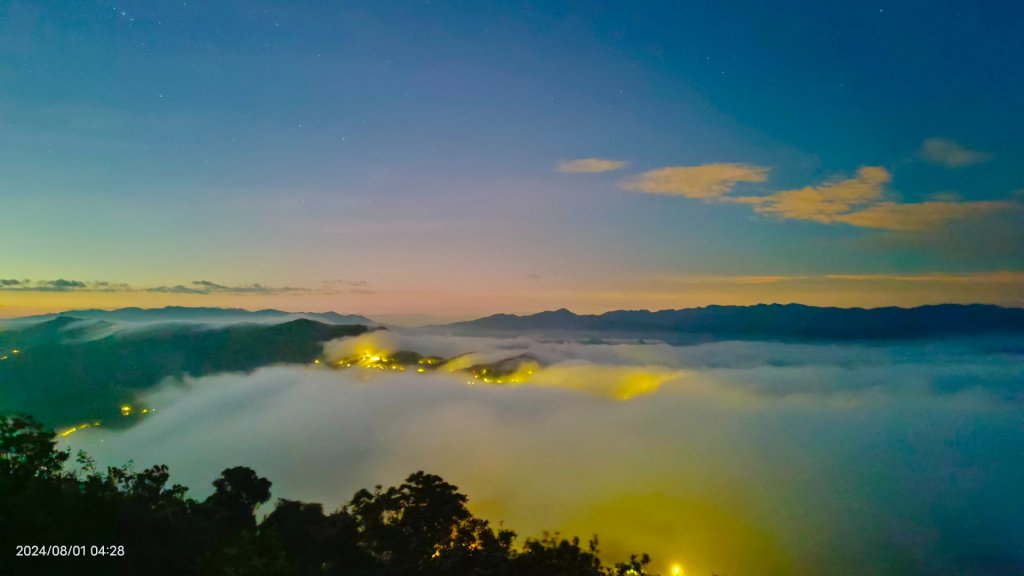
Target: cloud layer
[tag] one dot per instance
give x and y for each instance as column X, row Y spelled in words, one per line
column 898, row 459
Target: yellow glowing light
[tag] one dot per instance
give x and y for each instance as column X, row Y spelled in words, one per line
column 3, row 357
column 145, row 410
column 80, row 427
column 317, row 361
column 15, row 351
column 421, row 370
column 126, row 410
column 677, row 570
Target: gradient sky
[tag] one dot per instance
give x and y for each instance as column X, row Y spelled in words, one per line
column 436, row 160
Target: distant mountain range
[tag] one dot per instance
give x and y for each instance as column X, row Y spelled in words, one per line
column 203, row 315
column 760, row 322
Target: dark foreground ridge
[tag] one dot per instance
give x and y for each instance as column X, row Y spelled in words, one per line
column 122, row 522
column 763, row 322
column 67, row 370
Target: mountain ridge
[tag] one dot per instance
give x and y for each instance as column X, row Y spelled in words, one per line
column 760, row 321
column 198, row 314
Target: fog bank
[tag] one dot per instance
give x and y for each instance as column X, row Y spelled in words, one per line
column 737, row 458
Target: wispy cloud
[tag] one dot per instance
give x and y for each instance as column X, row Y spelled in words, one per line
column 992, row 277
column 344, row 282
column 706, row 182
column 920, row 216
column 822, row 203
column 60, row 285
column 199, row 287
column 950, row 153
column 996, row 277
column 208, row 287
column 591, row 166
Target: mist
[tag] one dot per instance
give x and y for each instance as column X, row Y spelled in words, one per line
column 733, row 457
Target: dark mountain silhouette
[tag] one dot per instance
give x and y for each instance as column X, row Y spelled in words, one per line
column 65, row 379
column 203, row 314
column 761, row 322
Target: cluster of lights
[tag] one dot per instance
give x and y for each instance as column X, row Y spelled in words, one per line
column 127, row 410
column 14, row 352
column 82, row 426
column 402, row 361
column 373, row 360
column 499, row 376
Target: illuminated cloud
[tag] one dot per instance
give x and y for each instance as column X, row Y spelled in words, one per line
column 950, row 153
column 918, row 216
column 591, row 166
column 859, row 201
column 706, row 182
column 823, row 203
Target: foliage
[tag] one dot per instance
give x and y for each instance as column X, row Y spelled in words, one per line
column 421, row 527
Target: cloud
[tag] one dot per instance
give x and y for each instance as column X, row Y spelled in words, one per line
column 996, row 277
column 920, row 216
column 343, row 286
column 208, row 287
column 707, row 181
column 724, row 470
column 213, row 287
column 176, row 289
column 344, row 282
column 591, row 166
column 949, row 153
column 61, row 285
column 822, row 203
column 859, row 201
column 195, row 287
column 823, row 281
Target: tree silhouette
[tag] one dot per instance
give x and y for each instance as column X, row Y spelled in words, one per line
column 422, row 527
column 238, row 493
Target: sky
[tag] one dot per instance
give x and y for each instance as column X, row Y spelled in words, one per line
column 417, row 161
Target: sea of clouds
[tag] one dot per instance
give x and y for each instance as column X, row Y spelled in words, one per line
column 732, row 457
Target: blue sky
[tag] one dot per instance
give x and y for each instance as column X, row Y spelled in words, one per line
column 414, row 148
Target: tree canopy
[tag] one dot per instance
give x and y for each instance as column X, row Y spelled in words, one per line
column 421, row 527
